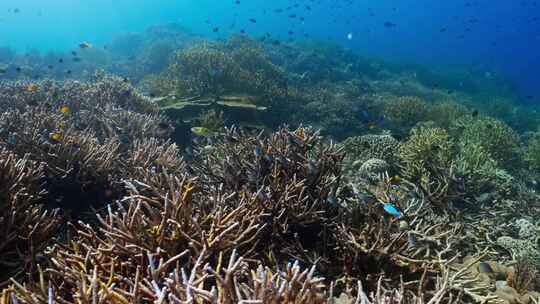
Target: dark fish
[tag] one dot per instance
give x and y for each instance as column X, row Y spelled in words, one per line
column 442, row 30
column 73, row 53
column 242, row 31
column 308, row 7
column 290, row 32
column 50, row 67
column 302, row 19
column 3, row 71
column 292, row 16
column 16, row 10
column 474, row 113
column 252, row 20
column 279, row 10
column 332, row 199
column 412, row 240
column 484, row 267
column 215, row 30
column 163, row 125
column 237, row 2
column 311, row 168
column 60, row 60
column 68, row 72
column 76, row 59
column 257, row 151
column 18, row 69
column 389, row 24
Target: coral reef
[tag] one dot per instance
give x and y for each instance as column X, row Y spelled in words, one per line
column 107, row 197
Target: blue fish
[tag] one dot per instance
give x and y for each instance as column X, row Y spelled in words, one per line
column 392, row 210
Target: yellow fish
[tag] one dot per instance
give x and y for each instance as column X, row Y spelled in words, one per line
column 32, row 88
column 55, row 135
column 202, row 131
column 64, row 109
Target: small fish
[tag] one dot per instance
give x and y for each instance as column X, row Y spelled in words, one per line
column 189, row 151
column 65, row 109
column 392, row 210
column 257, row 151
column 85, row 45
column 55, row 136
column 311, row 168
column 412, row 240
column 215, row 30
column 389, row 24
column 202, row 131
column 252, row 20
column 18, row 69
column 484, row 267
column 12, row 138
column 68, row 72
column 332, row 199
column 60, row 60
column 363, row 197
column 32, row 88
column 76, row 59
column 50, row 66
column 73, row 53
column 474, row 113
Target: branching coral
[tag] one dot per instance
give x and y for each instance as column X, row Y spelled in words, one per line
column 495, row 137
column 426, row 159
column 404, row 112
column 27, row 227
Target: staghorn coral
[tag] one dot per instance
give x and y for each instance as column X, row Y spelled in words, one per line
column 83, row 148
column 426, row 160
column 406, row 111
column 532, row 155
column 480, row 173
column 170, row 237
column 444, row 114
column 525, row 246
column 27, row 228
column 495, row 137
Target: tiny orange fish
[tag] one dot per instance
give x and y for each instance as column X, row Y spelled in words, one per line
column 65, row 109
column 55, row 135
column 32, row 88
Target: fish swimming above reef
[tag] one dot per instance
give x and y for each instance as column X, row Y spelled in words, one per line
column 202, row 132
column 32, row 88
column 392, row 209
column 85, row 45
column 65, row 109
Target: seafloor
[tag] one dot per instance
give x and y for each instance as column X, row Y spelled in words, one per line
column 168, row 168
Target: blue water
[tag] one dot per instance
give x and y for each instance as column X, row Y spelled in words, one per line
column 498, row 35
